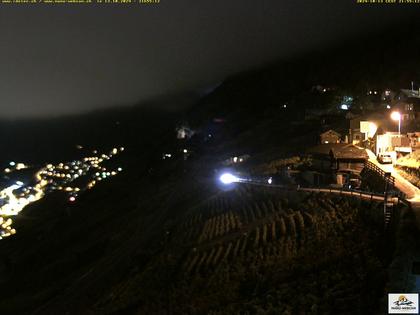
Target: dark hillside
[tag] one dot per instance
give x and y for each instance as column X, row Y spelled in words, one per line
column 375, row 60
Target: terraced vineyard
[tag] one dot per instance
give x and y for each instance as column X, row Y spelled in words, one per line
column 255, row 250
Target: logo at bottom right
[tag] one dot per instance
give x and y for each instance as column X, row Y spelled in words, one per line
column 403, row 303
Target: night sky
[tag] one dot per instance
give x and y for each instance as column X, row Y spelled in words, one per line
column 61, row 59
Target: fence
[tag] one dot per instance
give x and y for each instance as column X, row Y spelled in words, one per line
column 386, row 176
column 391, row 196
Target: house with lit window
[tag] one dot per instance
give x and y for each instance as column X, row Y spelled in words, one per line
column 364, row 127
column 335, row 163
column 407, row 103
column 330, row 136
column 414, row 138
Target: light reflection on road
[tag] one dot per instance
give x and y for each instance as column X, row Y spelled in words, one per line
column 411, row 191
column 71, row 177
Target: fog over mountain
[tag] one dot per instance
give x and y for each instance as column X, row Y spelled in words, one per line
column 71, row 59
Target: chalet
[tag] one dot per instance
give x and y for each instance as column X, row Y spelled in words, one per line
column 330, row 136
column 368, row 126
column 348, row 157
column 338, row 157
column 356, row 132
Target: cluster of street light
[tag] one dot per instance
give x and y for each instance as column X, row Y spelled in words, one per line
column 185, row 154
column 13, row 166
column 71, row 177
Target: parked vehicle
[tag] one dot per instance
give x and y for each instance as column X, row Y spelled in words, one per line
column 385, row 159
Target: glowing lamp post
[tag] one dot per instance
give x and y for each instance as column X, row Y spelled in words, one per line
column 397, row 116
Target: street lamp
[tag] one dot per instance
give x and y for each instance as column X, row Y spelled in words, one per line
column 397, row 116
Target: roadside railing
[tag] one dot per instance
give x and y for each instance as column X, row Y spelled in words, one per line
column 349, row 192
column 386, row 176
column 394, row 196
column 390, row 199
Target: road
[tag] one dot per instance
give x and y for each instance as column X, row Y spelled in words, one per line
column 411, row 191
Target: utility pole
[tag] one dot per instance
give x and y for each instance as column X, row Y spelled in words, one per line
column 387, row 212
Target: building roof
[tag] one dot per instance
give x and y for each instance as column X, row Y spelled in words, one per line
column 330, row 131
column 339, row 151
column 410, row 93
column 349, row 152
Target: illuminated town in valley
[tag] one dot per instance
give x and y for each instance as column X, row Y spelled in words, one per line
column 73, row 178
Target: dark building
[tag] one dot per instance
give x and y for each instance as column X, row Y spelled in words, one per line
column 338, row 157
column 330, row 136
column 407, row 102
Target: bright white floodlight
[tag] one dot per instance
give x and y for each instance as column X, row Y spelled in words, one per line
column 228, row 178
